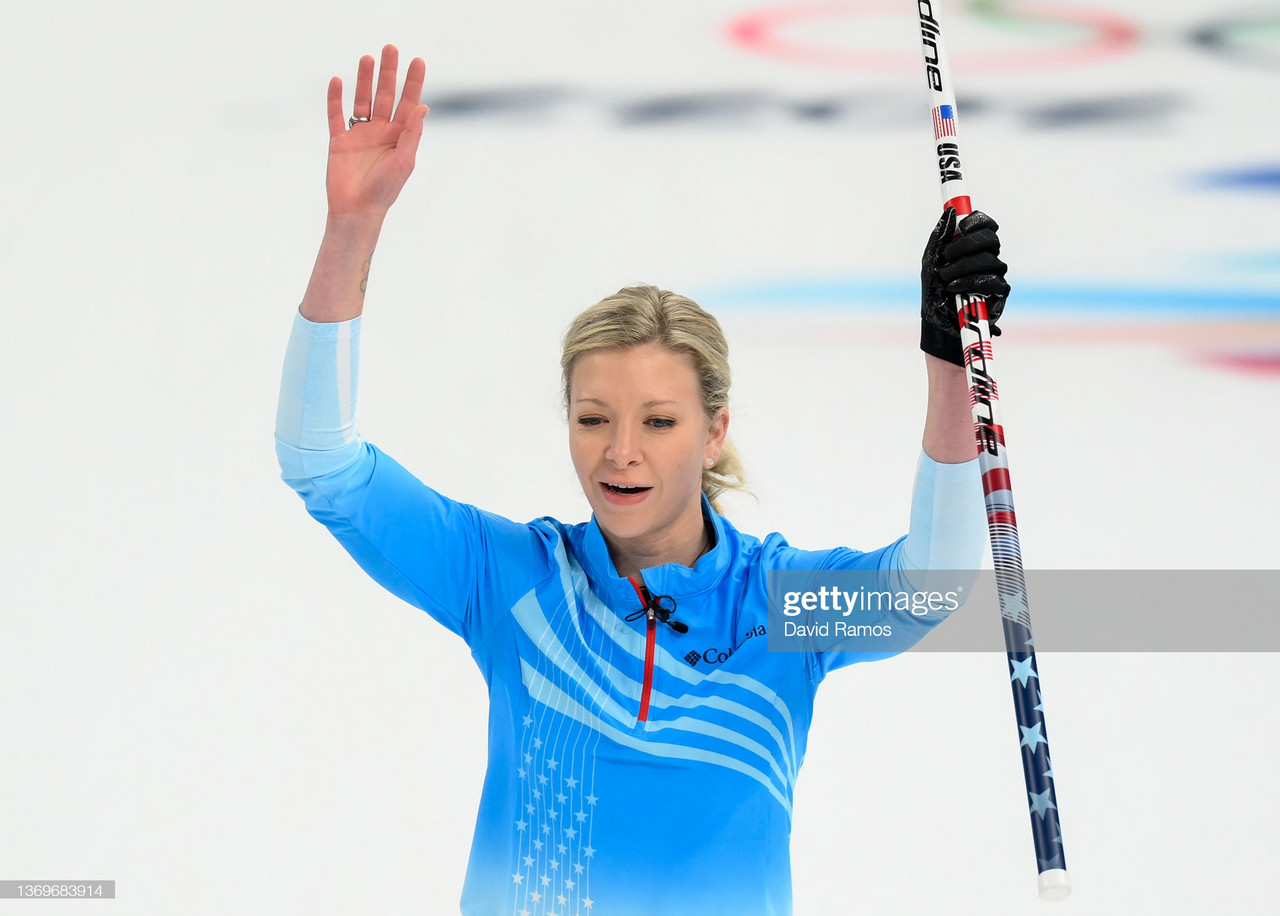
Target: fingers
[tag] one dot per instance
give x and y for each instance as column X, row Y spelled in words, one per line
column 977, row 233
column 411, row 98
column 977, row 220
column 989, row 286
column 337, row 126
column 945, row 228
column 371, row 104
column 983, row 240
column 407, row 145
column 385, row 99
column 363, row 106
column 942, row 232
column 975, row 265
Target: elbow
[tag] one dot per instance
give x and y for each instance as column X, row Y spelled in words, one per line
column 301, row 465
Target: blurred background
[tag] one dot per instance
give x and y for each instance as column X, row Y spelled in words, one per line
column 205, row 700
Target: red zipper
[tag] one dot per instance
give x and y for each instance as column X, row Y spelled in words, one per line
column 651, row 618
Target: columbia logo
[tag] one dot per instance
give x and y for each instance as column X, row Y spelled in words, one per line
column 692, row 658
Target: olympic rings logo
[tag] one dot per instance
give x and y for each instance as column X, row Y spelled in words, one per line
column 1061, row 35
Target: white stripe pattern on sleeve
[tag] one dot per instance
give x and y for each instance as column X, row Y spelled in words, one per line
column 315, row 420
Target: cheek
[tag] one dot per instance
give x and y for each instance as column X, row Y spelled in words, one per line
column 690, row 461
column 580, row 455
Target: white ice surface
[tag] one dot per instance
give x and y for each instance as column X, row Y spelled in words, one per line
column 202, row 698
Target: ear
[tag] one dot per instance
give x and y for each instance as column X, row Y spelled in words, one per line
column 717, row 431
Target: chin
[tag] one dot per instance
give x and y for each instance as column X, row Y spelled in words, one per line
column 625, row 528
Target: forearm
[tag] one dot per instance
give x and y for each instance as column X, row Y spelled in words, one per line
column 341, row 272
column 948, row 422
column 315, row 420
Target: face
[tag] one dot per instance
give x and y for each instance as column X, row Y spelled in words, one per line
column 640, row 439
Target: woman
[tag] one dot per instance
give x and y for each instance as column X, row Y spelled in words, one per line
column 630, row 772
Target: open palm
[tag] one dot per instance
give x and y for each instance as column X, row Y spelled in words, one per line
column 370, row 161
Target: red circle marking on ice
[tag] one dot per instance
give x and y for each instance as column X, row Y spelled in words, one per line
column 759, row 32
column 1266, row 363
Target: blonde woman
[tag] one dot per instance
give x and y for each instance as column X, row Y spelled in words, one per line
column 630, row 772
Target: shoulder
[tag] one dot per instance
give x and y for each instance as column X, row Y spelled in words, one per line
column 564, row 543
column 553, row 530
column 774, row 551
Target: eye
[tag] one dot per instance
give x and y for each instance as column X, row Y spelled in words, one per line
column 590, row 421
column 661, row 423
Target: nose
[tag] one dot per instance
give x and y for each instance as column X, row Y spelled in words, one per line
column 623, row 450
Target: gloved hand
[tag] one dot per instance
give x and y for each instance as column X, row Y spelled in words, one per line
column 966, row 264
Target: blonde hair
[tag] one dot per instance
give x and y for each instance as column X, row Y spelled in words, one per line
column 639, row 315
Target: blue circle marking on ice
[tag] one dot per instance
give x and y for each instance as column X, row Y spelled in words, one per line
column 1250, row 260
column 853, row 294
column 1249, row 178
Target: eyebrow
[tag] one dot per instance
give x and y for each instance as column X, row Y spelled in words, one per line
column 646, row 404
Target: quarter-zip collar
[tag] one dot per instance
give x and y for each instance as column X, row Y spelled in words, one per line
column 668, row 579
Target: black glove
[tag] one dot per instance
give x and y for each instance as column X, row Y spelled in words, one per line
column 964, row 264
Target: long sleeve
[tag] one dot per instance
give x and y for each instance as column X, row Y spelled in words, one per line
column 463, row 566
column 948, row 519
column 315, row 418
column 948, row 534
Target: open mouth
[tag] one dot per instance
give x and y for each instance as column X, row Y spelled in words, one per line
column 625, row 491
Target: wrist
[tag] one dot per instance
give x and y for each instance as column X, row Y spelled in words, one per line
column 948, row 428
column 341, row 272
column 942, row 345
column 944, row 371
column 360, row 228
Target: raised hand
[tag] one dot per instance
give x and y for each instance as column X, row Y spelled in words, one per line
column 370, row 160
column 967, row 262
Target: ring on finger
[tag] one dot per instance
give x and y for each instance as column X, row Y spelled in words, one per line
column 351, row 121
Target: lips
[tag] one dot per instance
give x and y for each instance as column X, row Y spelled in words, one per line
column 622, row 495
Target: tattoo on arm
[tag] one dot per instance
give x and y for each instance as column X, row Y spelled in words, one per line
column 364, row 281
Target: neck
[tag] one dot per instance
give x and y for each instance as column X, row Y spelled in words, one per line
column 629, row 557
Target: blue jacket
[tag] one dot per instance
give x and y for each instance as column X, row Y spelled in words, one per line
column 633, row 769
